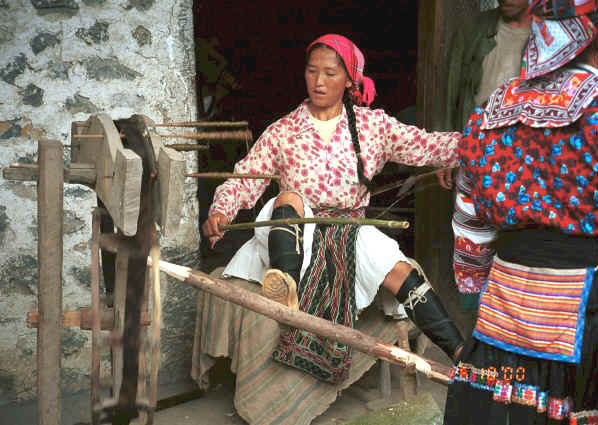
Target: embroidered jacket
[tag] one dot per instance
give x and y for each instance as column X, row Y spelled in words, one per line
column 326, row 173
column 516, row 176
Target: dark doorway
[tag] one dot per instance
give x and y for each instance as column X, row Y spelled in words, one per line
column 264, row 43
column 258, row 57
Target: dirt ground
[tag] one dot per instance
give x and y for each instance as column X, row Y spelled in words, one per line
column 361, row 404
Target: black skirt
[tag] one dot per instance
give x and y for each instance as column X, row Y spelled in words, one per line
column 540, row 391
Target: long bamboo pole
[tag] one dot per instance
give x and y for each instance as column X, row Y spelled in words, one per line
column 407, row 183
column 205, row 124
column 435, row 371
column 232, row 176
column 390, row 224
column 237, row 136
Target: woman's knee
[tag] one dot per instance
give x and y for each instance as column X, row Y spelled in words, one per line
column 396, row 276
column 290, row 198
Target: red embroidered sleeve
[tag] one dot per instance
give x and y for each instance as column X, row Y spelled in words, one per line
column 473, row 254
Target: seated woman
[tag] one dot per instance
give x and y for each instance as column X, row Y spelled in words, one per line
column 528, row 185
column 326, row 152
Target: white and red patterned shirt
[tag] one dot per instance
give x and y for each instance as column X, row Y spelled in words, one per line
column 326, row 173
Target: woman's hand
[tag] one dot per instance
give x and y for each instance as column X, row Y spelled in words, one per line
column 445, row 178
column 211, row 228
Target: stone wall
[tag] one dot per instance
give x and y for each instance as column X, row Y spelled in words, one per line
column 62, row 60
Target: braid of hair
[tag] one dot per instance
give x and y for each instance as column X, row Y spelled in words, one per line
column 355, row 139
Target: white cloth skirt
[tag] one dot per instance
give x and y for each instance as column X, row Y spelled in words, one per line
column 376, row 255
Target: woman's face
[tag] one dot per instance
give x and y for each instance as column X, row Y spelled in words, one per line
column 325, row 78
column 513, row 9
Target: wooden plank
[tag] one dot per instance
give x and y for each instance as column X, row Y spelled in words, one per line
column 50, row 254
column 171, row 178
column 119, row 172
column 124, row 191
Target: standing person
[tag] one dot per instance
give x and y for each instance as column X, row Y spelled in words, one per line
column 528, row 183
column 326, row 152
column 484, row 54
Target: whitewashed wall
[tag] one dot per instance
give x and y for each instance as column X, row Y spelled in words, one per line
column 62, row 60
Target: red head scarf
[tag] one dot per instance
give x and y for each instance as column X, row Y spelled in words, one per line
column 354, row 63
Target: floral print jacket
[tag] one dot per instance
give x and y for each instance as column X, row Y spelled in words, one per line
column 326, row 173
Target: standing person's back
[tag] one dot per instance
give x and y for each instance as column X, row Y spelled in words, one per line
column 526, row 205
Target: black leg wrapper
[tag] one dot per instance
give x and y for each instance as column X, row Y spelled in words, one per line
column 427, row 312
column 285, row 245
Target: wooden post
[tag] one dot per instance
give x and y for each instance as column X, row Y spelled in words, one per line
column 49, row 247
column 434, row 206
column 384, row 383
column 407, row 378
column 96, row 316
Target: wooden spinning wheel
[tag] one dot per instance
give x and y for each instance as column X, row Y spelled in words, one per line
column 139, row 184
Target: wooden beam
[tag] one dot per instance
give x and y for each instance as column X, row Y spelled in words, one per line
column 82, row 318
column 77, row 173
column 49, row 333
column 433, row 370
column 171, row 180
column 123, row 192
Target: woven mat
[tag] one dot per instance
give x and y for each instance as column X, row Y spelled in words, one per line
column 268, row 392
